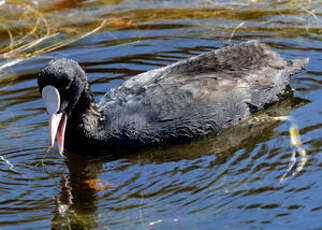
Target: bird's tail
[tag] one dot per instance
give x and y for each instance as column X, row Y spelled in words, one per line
column 296, row 65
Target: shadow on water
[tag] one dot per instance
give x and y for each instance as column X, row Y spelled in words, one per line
column 76, row 206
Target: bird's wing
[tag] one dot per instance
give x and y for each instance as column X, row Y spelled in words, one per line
column 222, row 86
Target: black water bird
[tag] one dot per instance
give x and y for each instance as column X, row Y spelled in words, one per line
column 195, row 97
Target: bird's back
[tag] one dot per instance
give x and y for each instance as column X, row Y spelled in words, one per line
column 197, row 96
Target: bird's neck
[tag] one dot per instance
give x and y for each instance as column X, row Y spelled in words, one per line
column 84, row 119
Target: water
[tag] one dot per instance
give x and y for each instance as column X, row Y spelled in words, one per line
column 228, row 182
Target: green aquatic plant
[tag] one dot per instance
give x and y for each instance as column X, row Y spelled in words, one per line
column 41, row 162
column 295, row 166
column 298, row 149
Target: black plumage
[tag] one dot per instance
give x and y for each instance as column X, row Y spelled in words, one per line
column 192, row 98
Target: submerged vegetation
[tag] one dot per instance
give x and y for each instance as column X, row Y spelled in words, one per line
column 30, row 28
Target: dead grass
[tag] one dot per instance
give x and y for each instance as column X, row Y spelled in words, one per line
column 24, row 41
column 28, row 30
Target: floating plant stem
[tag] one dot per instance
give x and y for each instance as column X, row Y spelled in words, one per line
column 11, row 166
column 298, row 149
column 41, row 163
column 234, row 31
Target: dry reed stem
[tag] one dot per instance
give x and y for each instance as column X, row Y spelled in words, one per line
column 67, row 41
column 21, row 40
column 11, row 166
column 17, row 52
column 234, row 31
column 10, row 46
column 19, row 49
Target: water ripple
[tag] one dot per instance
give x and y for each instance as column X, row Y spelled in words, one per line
column 226, row 182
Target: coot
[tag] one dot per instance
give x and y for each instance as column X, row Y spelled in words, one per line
column 191, row 98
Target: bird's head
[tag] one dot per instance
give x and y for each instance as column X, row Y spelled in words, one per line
column 61, row 84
